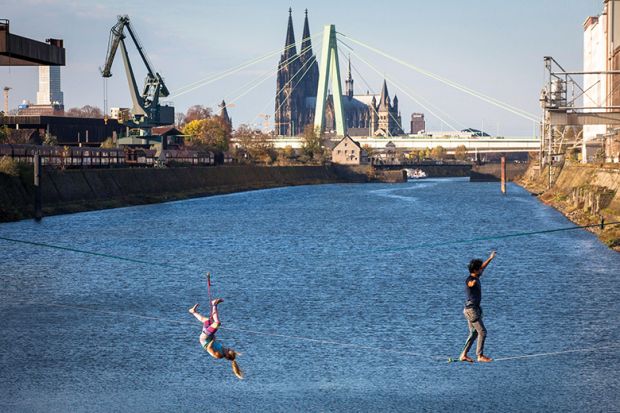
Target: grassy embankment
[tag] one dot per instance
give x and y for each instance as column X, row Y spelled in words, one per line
column 583, row 193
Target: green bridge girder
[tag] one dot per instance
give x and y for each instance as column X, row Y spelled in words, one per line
column 329, row 68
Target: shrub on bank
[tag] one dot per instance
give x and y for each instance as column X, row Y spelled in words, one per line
column 9, row 166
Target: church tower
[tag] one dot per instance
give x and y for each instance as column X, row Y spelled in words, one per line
column 287, row 100
column 384, row 109
column 386, row 120
column 224, row 114
column 348, row 83
column 297, row 83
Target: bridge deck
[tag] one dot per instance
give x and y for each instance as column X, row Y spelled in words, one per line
column 474, row 144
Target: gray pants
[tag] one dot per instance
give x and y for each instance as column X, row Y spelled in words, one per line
column 476, row 330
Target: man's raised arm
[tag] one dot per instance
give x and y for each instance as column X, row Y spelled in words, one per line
column 487, row 262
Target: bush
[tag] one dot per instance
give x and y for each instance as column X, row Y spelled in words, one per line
column 613, row 243
column 9, row 166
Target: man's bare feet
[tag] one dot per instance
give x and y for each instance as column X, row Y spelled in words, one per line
column 466, row 358
column 217, row 301
column 484, row 359
column 193, row 309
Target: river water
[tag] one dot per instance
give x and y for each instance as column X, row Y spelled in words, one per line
column 340, row 297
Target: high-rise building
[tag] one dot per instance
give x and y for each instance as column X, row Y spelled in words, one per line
column 418, row 124
column 49, row 86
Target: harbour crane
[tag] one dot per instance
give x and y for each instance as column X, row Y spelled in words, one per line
column 147, row 111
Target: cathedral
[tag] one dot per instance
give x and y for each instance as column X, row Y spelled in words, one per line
column 296, row 90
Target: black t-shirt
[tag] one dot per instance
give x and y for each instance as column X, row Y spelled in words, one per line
column 474, row 294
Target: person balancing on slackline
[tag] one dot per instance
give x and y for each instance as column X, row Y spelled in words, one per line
column 473, row 311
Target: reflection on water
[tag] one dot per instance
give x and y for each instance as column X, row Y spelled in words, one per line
column 322, row 262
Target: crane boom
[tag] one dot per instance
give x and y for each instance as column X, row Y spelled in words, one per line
column 116, row 35
column 147, row 111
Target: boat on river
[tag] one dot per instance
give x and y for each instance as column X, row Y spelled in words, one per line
column 415, row 174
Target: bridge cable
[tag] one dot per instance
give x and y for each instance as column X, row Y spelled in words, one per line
column 376, row 112
column 309, row 63
column 417, row 94
column 285, row 63
column 260, row 80
column 513, row 109
column 218, row 76
column 272, row 73
column 404, row 91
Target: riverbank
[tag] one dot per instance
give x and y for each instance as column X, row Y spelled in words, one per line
column 80, row 190
column 583, row 193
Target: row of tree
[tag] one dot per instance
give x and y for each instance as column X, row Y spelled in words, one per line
column 257, row 146
column 205, row 131
column 439, row 153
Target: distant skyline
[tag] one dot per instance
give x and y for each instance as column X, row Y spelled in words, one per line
column 494, row 47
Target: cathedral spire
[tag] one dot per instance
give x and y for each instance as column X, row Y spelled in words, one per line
column 309, row 65
column 290, row 49
column 306, row 43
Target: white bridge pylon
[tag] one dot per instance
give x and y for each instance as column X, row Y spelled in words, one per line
column 329, row 68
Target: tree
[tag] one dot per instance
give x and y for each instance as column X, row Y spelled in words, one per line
column 312, row 143
column 460, row 152
column 192, row 129
column 85, row 111
column 211, row 133
column 414, row 155
column 256, row 144
column 438, row 152
column 289, row 152
column 108, row 143
column 179, row 120
column 216, row 133
column 369, row 150
column 197, row 112
column 425, row 153
column 4, row 133
column 9, row 166
column 50, row 140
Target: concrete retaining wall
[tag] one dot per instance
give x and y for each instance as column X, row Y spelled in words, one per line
column 492, row 172
column 87, row 189
column 433, row 170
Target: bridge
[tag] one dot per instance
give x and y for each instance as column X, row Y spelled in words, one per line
column 484, row 144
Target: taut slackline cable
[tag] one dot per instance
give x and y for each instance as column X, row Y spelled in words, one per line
column 322, row 341
column 495, row 237
column 413, row 247
column 98, row 254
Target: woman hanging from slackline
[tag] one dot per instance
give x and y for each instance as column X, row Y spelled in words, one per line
column 207, row 337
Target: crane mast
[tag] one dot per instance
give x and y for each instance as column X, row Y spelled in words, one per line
column 146, row 111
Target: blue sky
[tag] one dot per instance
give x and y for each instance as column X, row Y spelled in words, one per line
column 493, row 46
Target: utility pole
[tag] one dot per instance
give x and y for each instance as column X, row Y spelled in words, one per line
column 6, row 100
